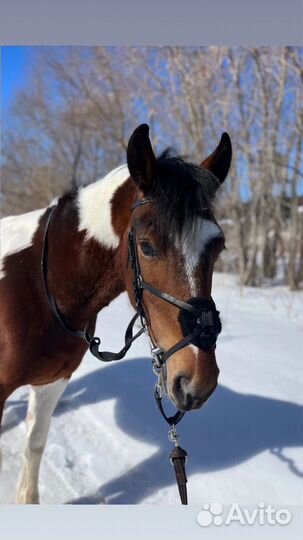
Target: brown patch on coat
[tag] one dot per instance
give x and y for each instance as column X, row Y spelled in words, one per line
column 83, row 276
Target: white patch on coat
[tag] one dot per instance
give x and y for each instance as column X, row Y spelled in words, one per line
column 193, row 246
column 54, row 202
column 16, row 234
column 94, row 203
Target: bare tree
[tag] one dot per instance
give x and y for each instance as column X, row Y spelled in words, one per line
column 71, row 125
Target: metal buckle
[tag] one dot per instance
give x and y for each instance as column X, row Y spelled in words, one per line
column 157, row 365
column 155, row 351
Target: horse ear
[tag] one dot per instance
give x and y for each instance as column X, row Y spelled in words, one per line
column 141, row 159
column 219, row 161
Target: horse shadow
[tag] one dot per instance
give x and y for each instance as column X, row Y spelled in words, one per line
column 231, row 427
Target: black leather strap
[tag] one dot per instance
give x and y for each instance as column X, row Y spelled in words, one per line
column 169, row 298
column 180, row 345
column 93, row 342
column 106, row 356
column 50, row 298
column 171, row 420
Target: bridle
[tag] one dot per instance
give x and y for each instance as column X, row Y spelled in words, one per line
column 204, row 318
column 206, row 325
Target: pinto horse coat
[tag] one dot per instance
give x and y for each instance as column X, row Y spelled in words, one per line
column 88, row 268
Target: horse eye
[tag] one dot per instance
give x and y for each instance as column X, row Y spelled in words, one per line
column 147, row 249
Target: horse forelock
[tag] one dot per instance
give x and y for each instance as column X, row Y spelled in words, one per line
column 183, row 215
column 180, row 195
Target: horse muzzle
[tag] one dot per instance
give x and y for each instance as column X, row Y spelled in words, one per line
column 190, row 389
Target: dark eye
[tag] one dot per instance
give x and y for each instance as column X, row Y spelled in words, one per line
column 147, row 249
column 217, row 243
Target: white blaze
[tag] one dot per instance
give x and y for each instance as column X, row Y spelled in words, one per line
column 193, row 245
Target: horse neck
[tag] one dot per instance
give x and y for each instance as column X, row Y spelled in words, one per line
column 86, row 246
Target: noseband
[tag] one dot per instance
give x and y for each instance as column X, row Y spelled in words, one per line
column 205, row 323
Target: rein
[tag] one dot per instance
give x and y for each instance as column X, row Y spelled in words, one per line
column 205, row 319
column 93, row 342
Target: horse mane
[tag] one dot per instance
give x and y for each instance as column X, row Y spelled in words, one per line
column 180, row 193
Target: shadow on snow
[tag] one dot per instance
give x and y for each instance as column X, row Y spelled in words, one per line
column 232, row 427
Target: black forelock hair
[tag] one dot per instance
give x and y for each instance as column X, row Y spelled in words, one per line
column 180, row 193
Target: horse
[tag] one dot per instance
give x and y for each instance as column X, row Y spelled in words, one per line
column 166, row 203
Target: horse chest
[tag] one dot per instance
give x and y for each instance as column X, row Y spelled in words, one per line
column 38, row 357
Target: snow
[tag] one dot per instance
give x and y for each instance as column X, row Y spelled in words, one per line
column 108, row 443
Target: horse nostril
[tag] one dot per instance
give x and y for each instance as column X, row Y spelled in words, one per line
column 180, row 390
column 189, row 401
column 185, row 399
column 180, row 385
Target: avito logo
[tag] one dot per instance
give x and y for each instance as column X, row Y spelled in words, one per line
column 212, row 514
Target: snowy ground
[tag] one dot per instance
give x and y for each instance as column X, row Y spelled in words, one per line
column 108, row 441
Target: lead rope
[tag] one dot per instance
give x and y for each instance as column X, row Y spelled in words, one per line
column 178, row 456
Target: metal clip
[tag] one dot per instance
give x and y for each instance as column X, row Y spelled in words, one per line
column 175, row 439
column 156, row 368
column 155, row 352
column 173, row 435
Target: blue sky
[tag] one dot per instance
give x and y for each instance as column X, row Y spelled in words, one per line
column 16, row 65
column 15, row 62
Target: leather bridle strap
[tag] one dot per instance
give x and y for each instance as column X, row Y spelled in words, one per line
column 93, row 342
column 83, row 334
column 181, row 344
column 139, row 285
column 162, row 358
column 171, row 420
column 107, row 356
column 169, row 298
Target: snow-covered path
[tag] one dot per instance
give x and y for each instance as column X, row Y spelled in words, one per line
column 108, row 442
